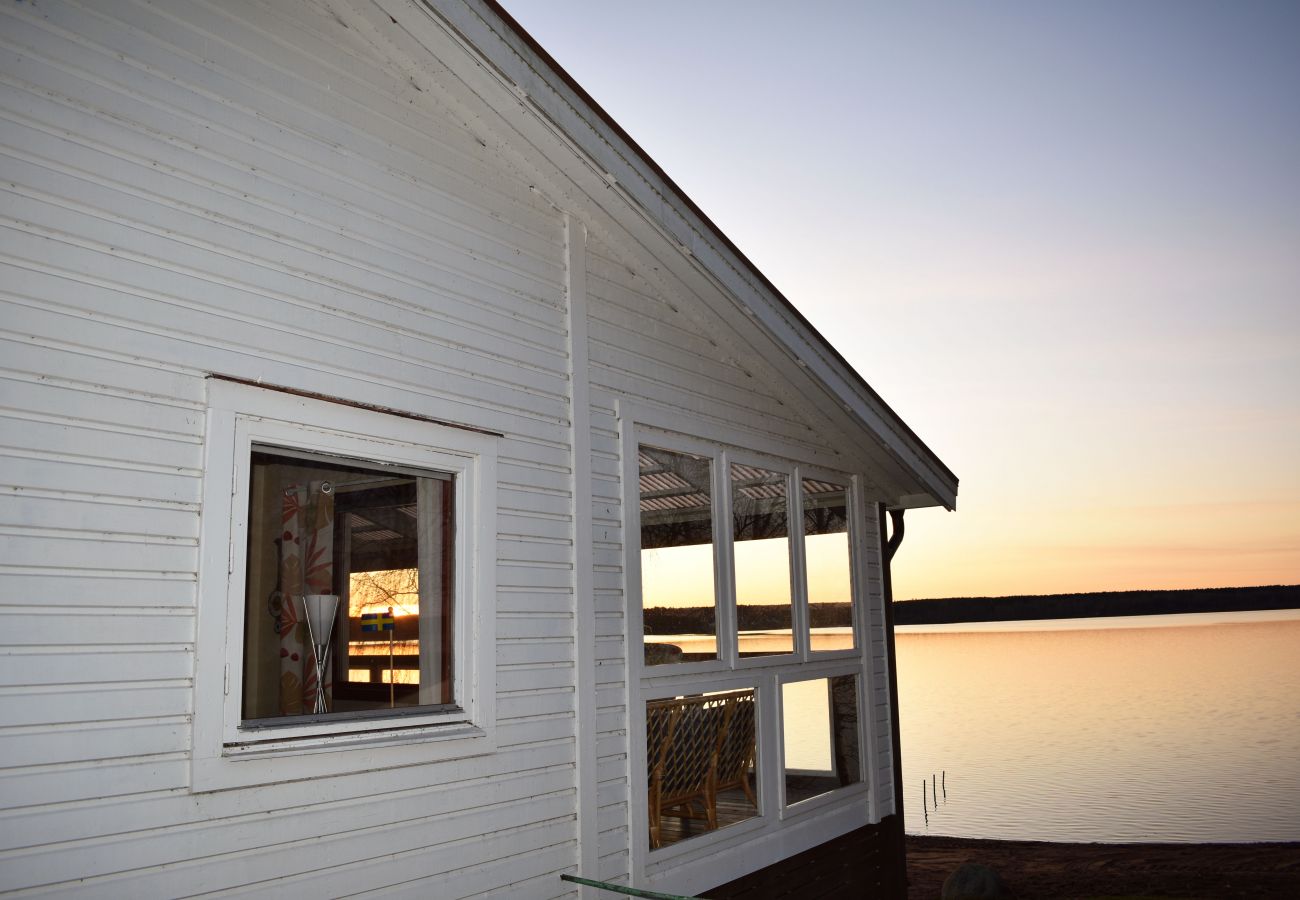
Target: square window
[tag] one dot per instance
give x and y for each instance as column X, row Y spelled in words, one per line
column 346, row 587
column 349, row 603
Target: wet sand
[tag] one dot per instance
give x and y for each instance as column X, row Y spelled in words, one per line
column 1033, row 870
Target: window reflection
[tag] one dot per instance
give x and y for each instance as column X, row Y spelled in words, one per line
column 701, row 755
column 349, row 588
column 820, row 736
column 678, row 605
column 761, row 533
column 826, row 556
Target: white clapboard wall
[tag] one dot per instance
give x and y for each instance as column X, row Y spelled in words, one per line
column 245, row 188
column 254, row 188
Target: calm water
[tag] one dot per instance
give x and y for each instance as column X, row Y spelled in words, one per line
column 1156, row 728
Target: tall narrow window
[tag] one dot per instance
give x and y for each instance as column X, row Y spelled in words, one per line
column 349, row 588
column 679, row 609
column 826, row 556
column 761, row 534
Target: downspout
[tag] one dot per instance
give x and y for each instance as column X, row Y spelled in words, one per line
column 889, row 548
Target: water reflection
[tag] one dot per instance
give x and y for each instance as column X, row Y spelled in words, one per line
column 1174, row 731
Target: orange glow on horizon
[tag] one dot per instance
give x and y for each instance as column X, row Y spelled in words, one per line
column 1085, row 550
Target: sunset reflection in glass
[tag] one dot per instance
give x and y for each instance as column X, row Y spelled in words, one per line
column 677, row 569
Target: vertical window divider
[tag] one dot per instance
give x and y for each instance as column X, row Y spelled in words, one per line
column 800, row 615
column 342, row 637
column 431, row 574
column 859, row 580
column 771, row 793
column 725, row 561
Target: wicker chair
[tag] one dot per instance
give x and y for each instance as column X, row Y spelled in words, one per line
column 696, row 746
column 736, row 745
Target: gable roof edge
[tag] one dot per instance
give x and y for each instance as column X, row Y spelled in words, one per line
column 625, row 164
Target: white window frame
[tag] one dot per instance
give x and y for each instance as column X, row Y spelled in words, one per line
column 795, row 576
column 811, row 805
column 228, row 754
column 777, row 830
column 857, row 580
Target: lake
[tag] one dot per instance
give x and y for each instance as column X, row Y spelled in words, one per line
column 1152, row 728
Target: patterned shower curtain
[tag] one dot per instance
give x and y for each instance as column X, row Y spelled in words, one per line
column 306, row 567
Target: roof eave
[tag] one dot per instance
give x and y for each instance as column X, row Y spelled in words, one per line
column 660, row 199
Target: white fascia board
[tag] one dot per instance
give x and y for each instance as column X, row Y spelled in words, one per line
column 623, row 167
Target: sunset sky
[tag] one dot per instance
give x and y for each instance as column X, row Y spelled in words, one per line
column 1061, row 240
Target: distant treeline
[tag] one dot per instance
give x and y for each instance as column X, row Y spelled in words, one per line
column 752, row 616
column 1110, row 603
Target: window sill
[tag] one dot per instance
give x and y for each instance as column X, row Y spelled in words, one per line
column 322, row 756
column 330, row 743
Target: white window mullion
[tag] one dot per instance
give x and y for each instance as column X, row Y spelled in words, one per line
column 770, row 790
column 723, row 540
column 429, row 543
column 800, row 616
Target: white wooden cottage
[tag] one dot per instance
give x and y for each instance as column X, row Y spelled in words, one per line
column 403, row 487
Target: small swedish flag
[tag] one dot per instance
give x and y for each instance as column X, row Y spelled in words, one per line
column 377, row 622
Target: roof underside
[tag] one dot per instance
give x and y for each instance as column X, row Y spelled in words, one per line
column 665, row 488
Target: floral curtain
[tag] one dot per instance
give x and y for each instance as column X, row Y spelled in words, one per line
column 306, row 567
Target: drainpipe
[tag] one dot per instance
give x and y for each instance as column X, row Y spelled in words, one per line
column 889, row 548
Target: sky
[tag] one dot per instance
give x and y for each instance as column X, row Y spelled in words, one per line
column 1061, row 240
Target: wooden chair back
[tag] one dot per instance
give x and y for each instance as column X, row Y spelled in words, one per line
column 687, row 739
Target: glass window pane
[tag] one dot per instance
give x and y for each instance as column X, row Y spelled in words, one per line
column 348, row 601
column 678, row 606
column 820, row 736
column 826, row 556
column 701, row 757
column 761, row 533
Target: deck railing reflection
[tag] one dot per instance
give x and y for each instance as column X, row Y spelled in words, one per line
column 698, row 748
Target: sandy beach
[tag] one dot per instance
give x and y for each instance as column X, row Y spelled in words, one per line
column 1032, row 869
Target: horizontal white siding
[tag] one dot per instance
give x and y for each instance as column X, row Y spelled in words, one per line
column 246, row 189
column 648, row 348
column 241, row 188
column 645, row 346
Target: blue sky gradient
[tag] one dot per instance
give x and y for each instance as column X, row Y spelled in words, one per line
column 1062, row 241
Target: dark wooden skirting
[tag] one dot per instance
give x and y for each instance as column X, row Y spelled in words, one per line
column 861, row 864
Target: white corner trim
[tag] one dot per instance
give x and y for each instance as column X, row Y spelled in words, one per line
column 583, row 556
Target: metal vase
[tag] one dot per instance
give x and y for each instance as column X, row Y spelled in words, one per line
column 321, row 610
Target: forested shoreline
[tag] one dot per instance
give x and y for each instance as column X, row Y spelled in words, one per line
column 1109, row 603
column 755, row 617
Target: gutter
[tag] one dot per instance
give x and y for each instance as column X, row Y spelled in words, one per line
column 888, row 549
